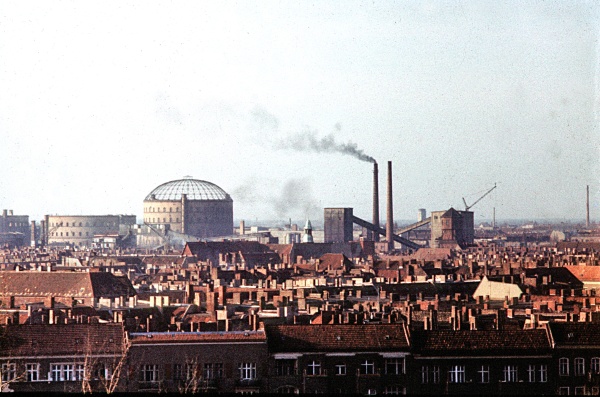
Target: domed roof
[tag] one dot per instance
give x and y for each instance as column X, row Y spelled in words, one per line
column 193, row 188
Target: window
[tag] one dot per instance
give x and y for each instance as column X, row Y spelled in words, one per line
column 511, row 373
column 531, row 373
column 177, row 372
column 595, row 365
column 213, row 370
column 394, row 390
column 340, row 369
column 367, row 367
column 484, row 374
column 9, row 372
column 579, row 366
column 579, row 390
column 394, row 366
column 563, row 391
column 79, row 372
column 595, row 390
column 149, row 373
column 314, row 368
column 285, row 367
column 430, row 374
column 33, row 372
column 543, row 370
column 563, row 367
column 247, row 371
column 457, row 374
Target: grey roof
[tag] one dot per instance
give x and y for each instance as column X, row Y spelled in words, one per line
column 194, row 189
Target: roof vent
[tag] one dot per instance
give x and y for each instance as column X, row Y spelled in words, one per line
column 387, row 337
column 338, row 337
column 149, row 336
column 246, row 334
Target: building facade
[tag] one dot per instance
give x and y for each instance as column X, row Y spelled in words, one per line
column 79, row 230
column 191, row 207
column 14, row 229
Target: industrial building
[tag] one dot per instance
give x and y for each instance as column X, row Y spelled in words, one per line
column 14, row 229
column 186, row 207
column 79, row 230
column 451, row 228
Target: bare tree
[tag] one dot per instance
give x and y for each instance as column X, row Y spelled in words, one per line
column 103, row 368
column 11, row 372
column 193, row 380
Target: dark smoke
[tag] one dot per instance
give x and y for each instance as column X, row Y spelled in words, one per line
column 308, row 141
column 296, row 195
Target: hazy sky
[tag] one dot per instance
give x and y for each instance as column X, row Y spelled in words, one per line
column 100, row 102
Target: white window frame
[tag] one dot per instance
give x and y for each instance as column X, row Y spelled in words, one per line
column 32, row 371
column 511, row 373
column 457, row 374
column 563, row 367
column 484, row 373
column 340, row 369
column 543, row 370
column 367, row 367
column 579, row 366
column 396, row 365
column 531, row 373
column 150, row 373
column 9, row 372
column 595, row 365
column 314, row 368
column 247, row 371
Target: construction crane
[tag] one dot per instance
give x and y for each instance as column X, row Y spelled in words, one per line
column 467, row 207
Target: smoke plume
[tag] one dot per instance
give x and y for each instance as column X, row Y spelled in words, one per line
column 308, row 141
column 296, row 195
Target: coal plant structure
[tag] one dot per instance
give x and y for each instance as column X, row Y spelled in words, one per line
column 339, row 222
column 190, row 207
column 449, row 228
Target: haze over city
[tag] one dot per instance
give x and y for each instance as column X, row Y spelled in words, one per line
column 284, row 105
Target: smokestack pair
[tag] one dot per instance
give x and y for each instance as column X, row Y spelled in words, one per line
column 390, row 215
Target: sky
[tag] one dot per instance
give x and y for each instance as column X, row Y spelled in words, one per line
column 283, row 104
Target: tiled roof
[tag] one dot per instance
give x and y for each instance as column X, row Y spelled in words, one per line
column 60, row 339
column 337, row 338
column 75, row 284
column 200, row 247
column 575, row 334
column 481, row 342
column 146, row 338
column 432, row 254
column 585, row 273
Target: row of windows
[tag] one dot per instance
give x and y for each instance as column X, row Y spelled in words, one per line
column 510, row 373
column 56, row 234
column 164, row 209
column 16, row 224
column 393, row 366
column 151, row 372
column 164, row 220
column 59, row 372
column 87, row 224
column 578, row 366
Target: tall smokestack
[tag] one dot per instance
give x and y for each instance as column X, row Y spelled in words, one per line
column 375, row 200
column 587, row 206
column 390, row 212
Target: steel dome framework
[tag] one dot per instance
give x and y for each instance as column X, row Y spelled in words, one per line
column 194, row 189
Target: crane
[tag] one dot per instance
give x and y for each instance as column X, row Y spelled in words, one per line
column 467, row 207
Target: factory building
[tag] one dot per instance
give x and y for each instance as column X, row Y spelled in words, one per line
column 79, row 230
column 14, row 229
column 451, row 228
column 189, row 207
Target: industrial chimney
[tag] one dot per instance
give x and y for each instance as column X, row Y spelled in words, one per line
column 587, row 205
column 375, row 201
column 390, row 215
